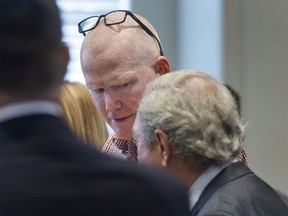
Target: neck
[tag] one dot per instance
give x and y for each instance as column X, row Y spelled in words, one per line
column 187, row 174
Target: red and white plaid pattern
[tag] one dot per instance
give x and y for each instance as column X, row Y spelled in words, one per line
column 120, row 148
column 242, row 156
column 127, row 149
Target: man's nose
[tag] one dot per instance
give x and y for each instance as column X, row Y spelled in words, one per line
column 112, row 102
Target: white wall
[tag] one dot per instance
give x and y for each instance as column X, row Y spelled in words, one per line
column 164, row 17
column 190, row 31
column 200, row 36
column 256, row 62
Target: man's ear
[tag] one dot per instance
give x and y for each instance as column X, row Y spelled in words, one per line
column 162, row 65
column 163, row 146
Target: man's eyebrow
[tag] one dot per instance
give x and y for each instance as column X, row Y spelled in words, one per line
column 91, row 87
column 122, row 78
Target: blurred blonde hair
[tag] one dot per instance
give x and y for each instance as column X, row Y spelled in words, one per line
column 78, row 110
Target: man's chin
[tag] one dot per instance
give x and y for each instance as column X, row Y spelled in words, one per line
column 122, row 135
column 125, row 137
column 123, row 132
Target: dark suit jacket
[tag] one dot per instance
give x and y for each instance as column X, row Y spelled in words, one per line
column 45, row 170
column 238, row 191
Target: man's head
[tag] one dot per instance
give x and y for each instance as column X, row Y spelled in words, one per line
column 190, row 117
column 118, row 61
column 33, row 60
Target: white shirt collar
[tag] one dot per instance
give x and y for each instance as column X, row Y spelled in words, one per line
column 202, row 181
column 27, row 108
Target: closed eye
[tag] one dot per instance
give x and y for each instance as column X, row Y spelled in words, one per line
column 99, row 90
column 124, row 85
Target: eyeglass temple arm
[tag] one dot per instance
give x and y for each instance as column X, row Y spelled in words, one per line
column 149, row 33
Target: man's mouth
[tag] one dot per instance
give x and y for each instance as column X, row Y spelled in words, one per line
column 118, row 120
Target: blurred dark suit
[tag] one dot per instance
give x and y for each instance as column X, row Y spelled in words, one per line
column 238, row 191
column 45, row 170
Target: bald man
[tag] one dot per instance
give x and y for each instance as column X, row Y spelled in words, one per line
column 120, row 54
column 118, row 61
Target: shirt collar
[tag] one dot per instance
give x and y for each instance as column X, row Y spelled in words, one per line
column 128, row 147
column 27, row 108
column 202, row 181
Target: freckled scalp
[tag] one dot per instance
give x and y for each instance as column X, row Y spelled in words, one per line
column 127, row 37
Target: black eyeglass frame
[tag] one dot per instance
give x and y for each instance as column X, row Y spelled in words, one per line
column 141, row 24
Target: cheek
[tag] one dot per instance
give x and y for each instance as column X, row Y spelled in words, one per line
column 143, row 154
column 100, row 106
column 140, row 154
column 132, row 100
column 146, row 156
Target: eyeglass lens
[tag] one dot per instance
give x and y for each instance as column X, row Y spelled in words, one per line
column 89, row 23
column 114, row 18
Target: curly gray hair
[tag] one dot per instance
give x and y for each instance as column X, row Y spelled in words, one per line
column 197, row 112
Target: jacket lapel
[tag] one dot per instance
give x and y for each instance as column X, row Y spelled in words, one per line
column 230, row 173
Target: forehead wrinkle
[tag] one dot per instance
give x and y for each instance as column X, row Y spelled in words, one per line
column 124, row 35
column 121, row 77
